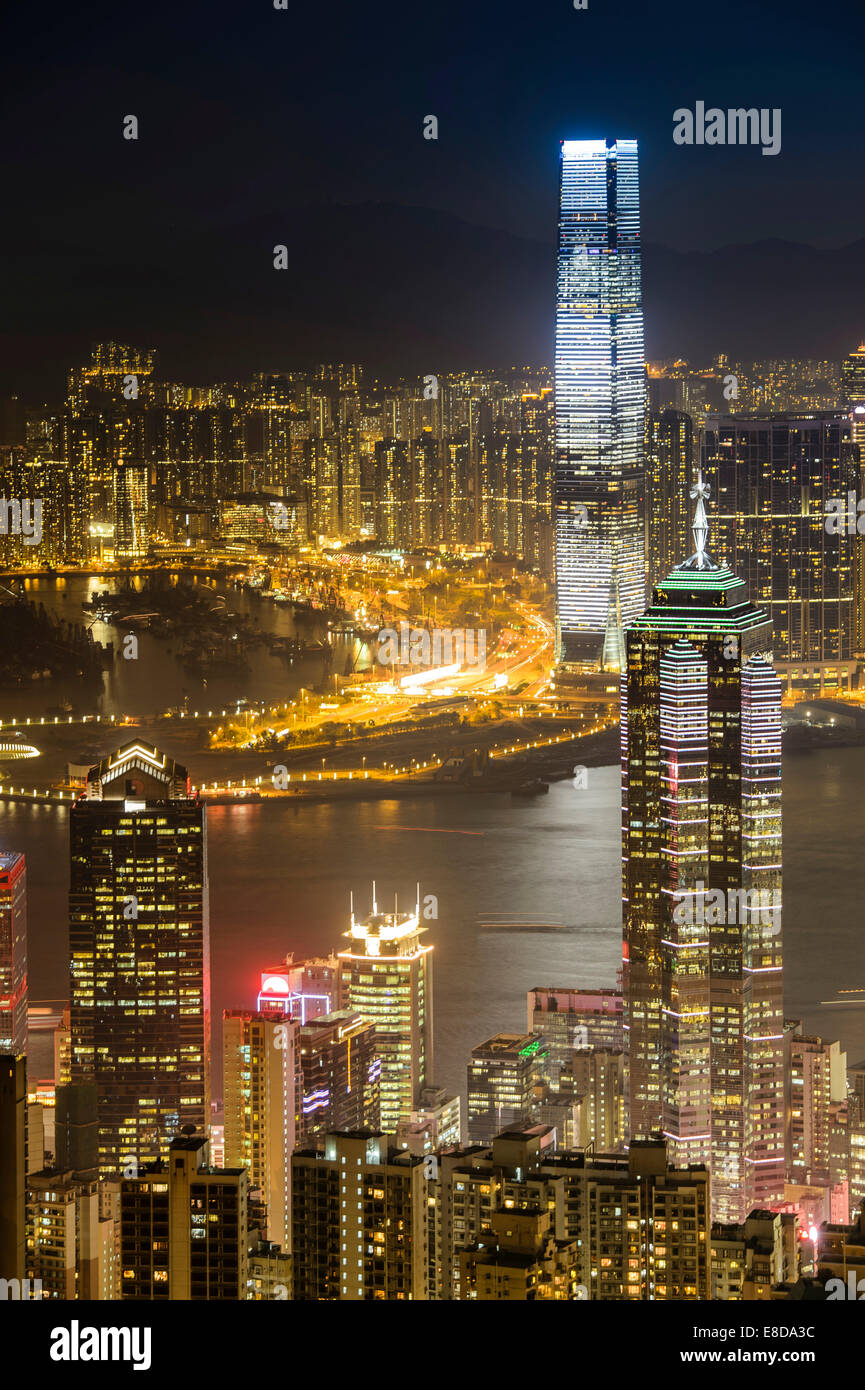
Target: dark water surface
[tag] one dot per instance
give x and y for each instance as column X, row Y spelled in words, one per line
column 280, row 879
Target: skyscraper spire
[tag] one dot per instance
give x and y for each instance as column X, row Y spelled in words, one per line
column 700, row 527
column 701, row 559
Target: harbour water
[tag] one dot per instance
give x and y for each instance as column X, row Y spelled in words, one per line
column 280, row 879
column 157, row 679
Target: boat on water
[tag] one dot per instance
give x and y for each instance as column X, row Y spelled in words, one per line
column 517, row 924
column 535, row 787
column 855, row 1000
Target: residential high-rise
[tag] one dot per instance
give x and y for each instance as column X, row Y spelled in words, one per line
column 815, row 1074
column 184, row 1228
column 639, row 1224
column 600, row 402
column 63, row 1237
column 436, row 1124
column 361, row 1221
column 131, row 509
column 386, row 977
column 340, row 1076
column 748, row 1260
column 261, row 1090
column 701, row 784
column 140, row 961
column 518, row 1259
column 502, row 1074
column 13, row 953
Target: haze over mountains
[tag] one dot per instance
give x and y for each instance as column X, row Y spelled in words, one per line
column 403, row 289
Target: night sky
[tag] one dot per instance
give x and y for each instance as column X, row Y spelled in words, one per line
column 304, row 126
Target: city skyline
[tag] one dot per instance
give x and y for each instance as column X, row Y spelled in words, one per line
column 432, row 686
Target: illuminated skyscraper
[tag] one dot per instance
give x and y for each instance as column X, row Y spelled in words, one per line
column 386, row 977
column 13, row 953
column 600, row 401
column 701, row 783
column 140, row 954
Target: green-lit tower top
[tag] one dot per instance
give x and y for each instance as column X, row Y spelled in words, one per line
column 700, row 595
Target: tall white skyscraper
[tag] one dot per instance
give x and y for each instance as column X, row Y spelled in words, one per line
column 600, row 403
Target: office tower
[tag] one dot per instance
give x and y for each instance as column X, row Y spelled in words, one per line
column 63, row 1236
column 361, row 1221
column 304, row 989
column 669, row 468
column 501, row 1077
column 600, row 397
column 640, row 1225
column 815, row 1075
column 13, row 953
column 340, row 1076
column 13, row 1164
column 773, row 477
column 519, row 1260
column 701, row 833
column 140, row 954
column 184, row 1228
column 434, row 1125
column 260, row 1082
column 853, row 395
column 131, row 509
column 386, row 977
column 572, row 1019
column 76, row 1130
